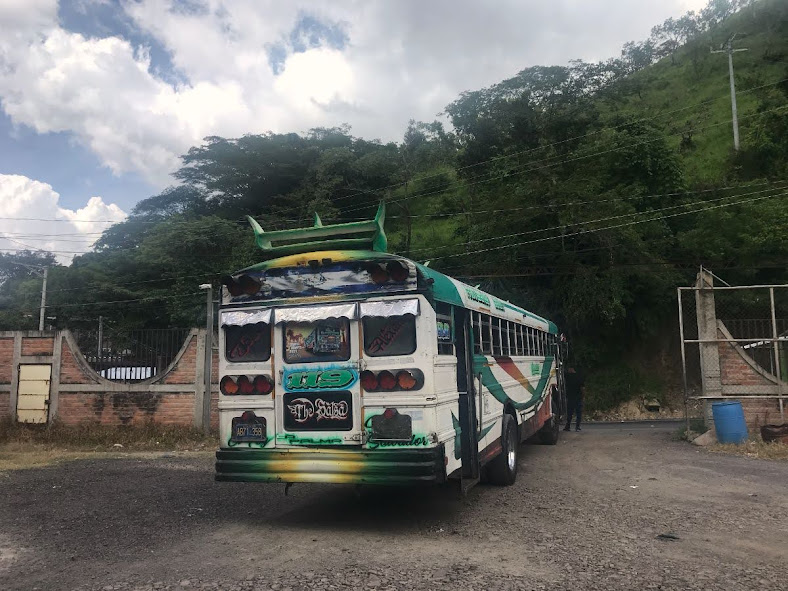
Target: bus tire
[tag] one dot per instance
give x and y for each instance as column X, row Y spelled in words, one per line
column 502, row 470
column 549, row 433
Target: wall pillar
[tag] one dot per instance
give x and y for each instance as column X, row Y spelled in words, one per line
column 711, row 380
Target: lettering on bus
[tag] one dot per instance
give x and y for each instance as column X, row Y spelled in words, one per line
column 331, row 379
column 304, row 409
column 476, row 296
column 414, row 441
column 293, row 439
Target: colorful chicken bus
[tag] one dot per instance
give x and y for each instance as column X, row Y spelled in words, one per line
column 342, row 363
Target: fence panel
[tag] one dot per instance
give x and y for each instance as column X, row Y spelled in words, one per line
column 130, row 356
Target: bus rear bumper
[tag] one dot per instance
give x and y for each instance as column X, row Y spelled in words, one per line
column 380, row 466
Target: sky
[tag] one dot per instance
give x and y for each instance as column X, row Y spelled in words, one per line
column 99, row 98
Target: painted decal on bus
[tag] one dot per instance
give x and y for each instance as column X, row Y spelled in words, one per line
column 324, row 378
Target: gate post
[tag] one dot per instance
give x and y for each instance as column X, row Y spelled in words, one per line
column 199, row 378
column 709, row 347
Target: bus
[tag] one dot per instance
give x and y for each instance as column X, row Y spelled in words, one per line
column 340, row 362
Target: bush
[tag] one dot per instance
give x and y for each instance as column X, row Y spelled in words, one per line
column 610, row 386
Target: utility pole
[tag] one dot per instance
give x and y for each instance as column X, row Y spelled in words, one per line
column 208, row 363
column 730, row 51
column 42, row 312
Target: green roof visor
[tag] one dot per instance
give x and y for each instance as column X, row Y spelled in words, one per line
column 336, row 236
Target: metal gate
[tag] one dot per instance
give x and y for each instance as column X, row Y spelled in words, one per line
column 32, row 402
column 734, row 345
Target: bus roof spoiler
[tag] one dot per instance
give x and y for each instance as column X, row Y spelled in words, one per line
column 334, row 237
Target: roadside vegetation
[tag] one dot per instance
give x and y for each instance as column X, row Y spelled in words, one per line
column 754, row 449
column 91, row 437
column 585, row 193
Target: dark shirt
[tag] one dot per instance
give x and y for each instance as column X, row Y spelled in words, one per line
column 574, row 384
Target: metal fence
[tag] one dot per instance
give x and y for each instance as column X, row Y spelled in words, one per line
column 734, row 344
column 130, row 356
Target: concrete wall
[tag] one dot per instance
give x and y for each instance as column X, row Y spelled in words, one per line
column 78, row 394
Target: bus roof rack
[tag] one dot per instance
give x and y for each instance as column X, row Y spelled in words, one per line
column 334, row 237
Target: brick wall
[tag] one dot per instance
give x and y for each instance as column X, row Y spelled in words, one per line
column 72, row 372
column 6, row 359
column 80, row 395
column 736, row 371
column 38, row 345
column 126, row 408
column 185, row 370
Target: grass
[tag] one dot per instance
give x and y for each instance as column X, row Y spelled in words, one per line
column 754, row 449
column 32, row 446
column 89, row 437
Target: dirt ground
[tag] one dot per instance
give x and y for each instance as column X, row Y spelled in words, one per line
column 612, row 507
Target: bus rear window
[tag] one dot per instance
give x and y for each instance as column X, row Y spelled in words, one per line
column 394, row 335
column 324, row 340
column 251, row 342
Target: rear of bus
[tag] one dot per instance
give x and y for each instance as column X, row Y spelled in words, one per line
column 327, row 375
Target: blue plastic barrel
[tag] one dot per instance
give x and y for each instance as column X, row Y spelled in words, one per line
column 729, row 422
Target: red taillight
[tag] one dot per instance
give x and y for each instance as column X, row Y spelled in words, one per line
column 378, row 274
column 390, row 413
column 248, row 285
column 245, row 386
column 398, row 271
column 262, row 385
column 406, row 380
column 368, row 381
column 228, row 386
column 387, row 380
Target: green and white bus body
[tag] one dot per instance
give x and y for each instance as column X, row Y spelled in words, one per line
column 358, row 366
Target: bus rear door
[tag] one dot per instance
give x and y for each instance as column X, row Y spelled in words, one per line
column 317, row 354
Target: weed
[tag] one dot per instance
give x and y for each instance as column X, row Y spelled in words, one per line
column 88, row 436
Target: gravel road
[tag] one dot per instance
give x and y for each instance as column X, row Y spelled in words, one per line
column 585, row 514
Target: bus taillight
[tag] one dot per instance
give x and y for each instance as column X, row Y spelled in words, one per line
column 397, row 271
column 245, row 386
column 405, row 380
column 228, row 386
column 234, row 385
column 387, row 380
column 369, row 381
column 262, row 385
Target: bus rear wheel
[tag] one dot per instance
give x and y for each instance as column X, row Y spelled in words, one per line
column 502, row 470
column 548, row 435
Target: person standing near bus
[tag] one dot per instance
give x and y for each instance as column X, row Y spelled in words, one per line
column 575, row 389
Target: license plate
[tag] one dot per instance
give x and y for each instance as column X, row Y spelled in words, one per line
column 248, row 428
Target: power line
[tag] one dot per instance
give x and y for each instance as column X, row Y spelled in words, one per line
column 510, row 173
column 600, row 219
column 593, row 230
column 380, row 189
column 146, row 299
column 596, row 132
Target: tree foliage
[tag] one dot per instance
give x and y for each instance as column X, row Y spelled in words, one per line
column 561, row 188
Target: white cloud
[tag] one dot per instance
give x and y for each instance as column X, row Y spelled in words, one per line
column 405, row 59
column 27, row 208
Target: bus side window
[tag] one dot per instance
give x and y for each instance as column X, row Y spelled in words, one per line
column 520, row 348
column 531, row 344
column 496, row 335
column 506, row 336
column 486, row 329
column 476, row 327
column 445, row 333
